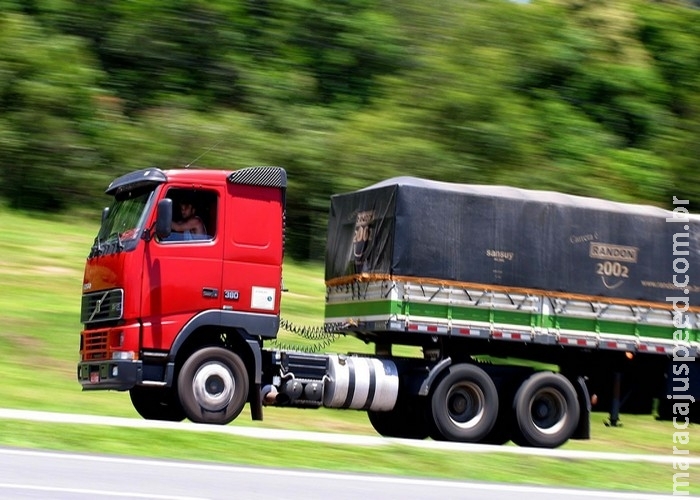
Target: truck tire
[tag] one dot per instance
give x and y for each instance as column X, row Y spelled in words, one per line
column 157, row 403
column 406, row 420
column 546, row 410
column 464, row 404
column 213, row 386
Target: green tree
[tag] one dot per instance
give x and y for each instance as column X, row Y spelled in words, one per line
column 588, row 97
column 47, row 93
column 670, row 35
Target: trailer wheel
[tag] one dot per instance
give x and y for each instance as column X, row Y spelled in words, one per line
column 546, row 410
column 464, row 404
column 213, row 386
column 157, row 403
column 406, row 420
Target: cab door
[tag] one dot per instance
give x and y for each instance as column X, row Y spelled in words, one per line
column 182, row 274
column 252, row 267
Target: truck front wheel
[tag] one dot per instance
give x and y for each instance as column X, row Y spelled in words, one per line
column 213, row 386
column 464, row 404
column 546, row 410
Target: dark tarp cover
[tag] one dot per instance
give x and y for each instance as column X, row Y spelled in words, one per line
column 496, row 235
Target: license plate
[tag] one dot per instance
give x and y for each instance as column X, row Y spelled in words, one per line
column 94, row 377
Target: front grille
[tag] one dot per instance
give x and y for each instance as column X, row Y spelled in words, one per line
column 94, row 345
column 98, row 307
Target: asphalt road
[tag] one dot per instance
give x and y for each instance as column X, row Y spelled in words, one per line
column 62, row 476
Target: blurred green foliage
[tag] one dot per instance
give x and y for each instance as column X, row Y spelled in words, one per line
column 583, row 96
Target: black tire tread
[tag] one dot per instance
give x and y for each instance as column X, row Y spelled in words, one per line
column 526, row 432
column 184, row 383
column 157, row 403
column 443, row 428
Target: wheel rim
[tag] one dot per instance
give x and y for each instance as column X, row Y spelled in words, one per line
column 465, row 405
column 213, row 386
column 548, row 411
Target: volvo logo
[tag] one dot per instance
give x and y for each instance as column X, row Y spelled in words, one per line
column 98, row 306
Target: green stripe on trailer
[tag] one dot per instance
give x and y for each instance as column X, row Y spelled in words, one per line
column 443, row 312
column 364, row 308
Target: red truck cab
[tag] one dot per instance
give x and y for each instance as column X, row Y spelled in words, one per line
column 152, row 296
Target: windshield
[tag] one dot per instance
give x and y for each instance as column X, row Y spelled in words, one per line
column 124, row 223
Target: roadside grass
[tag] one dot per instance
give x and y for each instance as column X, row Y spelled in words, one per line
column 392, row 459
column 40, row 287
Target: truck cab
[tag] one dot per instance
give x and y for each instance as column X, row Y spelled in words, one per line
column 153, row 296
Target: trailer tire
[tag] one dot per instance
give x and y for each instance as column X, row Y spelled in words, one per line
column 546, row 410
column 213, row 386
column 464, row 404
column 406, row 420
column 157, row 403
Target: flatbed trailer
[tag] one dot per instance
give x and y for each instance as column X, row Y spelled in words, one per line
column 601, row 290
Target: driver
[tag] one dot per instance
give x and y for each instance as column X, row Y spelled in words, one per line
column 190, row 224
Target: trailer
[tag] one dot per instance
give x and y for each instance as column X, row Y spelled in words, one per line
column 529, row 309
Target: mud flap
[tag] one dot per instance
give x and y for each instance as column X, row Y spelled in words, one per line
column 583, row 430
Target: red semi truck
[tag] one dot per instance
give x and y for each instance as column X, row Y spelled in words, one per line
column 480, row 278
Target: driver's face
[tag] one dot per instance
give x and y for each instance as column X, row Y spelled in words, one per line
column 186, row 210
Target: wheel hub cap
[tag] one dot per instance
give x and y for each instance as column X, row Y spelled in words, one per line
column 213, row 386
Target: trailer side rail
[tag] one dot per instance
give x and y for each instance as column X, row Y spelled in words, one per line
column 500, row 315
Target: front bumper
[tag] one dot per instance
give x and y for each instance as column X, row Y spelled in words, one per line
column 115, row 375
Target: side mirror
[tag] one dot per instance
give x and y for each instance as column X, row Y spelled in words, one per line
column 164, row 218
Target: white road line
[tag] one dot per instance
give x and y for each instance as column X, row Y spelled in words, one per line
column 337, row 476
column 100, row 493
column 331, row 438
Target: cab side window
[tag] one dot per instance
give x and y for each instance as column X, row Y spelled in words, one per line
column 194, row 214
